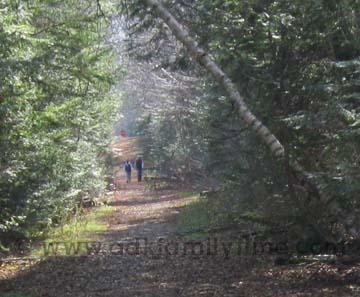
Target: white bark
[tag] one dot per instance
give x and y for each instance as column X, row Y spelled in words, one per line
column 204, row 59
column 348, row 218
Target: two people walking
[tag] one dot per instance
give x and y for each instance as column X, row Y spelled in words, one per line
column 139, row 166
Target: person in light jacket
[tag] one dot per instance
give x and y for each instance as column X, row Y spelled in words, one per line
column 128, row 168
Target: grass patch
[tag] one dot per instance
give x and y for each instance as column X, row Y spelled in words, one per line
column 193, row 220
column 193, row 195
column 81, row 228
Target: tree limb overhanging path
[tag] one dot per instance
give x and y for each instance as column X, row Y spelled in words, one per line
column 347, row 217
column 222, row 78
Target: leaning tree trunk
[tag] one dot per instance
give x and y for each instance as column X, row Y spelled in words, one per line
column 347, row 218
column 204, row 59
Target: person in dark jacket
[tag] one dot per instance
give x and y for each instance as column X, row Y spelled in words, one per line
column 139, row 165
column 128, row 168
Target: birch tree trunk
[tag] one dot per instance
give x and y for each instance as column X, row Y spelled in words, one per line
column 204, row 59
column 348, row 218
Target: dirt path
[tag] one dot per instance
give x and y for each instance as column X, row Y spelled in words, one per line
column 138, row 257
column 132, row 260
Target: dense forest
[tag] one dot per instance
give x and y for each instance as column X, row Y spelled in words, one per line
column 57, row 111
column 179, row 148
column 70, row 70
column 296, row 63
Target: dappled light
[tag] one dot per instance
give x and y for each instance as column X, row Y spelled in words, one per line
column 179, row 148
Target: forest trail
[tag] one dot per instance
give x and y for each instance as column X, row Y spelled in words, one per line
column 141, row 215
column 137, row 258
column 140, row 212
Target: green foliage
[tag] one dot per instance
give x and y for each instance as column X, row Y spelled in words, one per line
column 173, row 137
column 56, row 111
column 297, row 64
